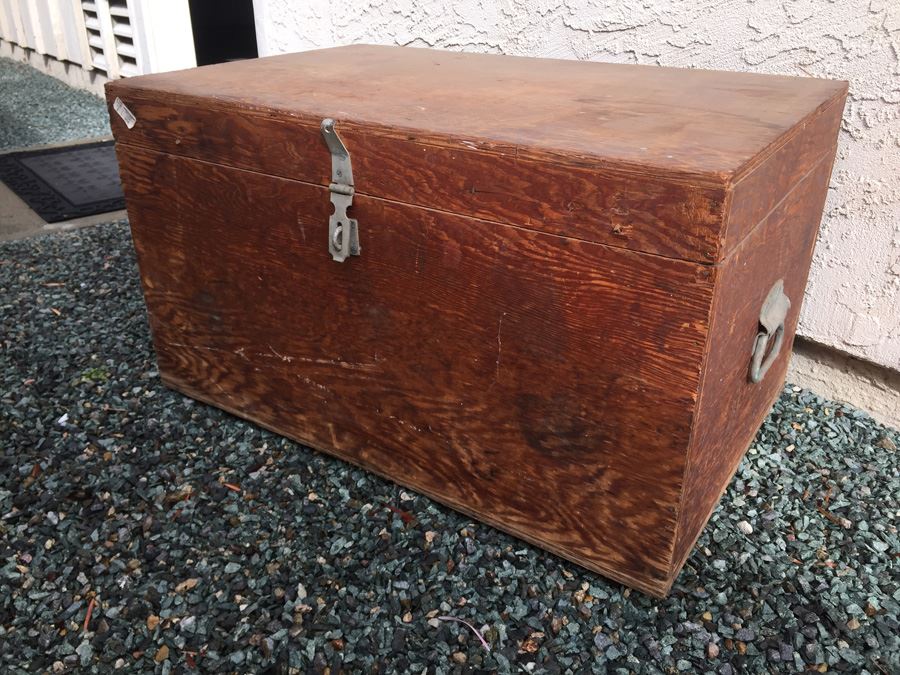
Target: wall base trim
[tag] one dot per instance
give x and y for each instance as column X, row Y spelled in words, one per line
column 841, row 377
column 70, row 73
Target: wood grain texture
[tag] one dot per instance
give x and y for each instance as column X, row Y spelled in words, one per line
column 484, row 365
column 731, row 408
column 696, row 124
column 635, row 211
column 757, row 193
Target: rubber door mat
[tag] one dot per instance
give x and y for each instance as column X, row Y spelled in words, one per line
column 65, row 183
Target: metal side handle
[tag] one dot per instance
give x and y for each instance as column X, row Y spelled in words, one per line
column 771, row 318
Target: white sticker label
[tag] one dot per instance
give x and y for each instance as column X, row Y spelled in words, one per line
column 126, row 115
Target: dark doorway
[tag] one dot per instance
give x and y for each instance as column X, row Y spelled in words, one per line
column 223, row 30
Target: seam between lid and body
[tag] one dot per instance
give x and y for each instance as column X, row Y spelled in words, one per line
column 567, row 237
column 558, row 156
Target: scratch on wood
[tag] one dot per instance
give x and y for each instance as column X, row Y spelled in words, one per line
column 499, row 346
column 241, row 352
column 320, row 362
column 222, row 391
column 286, row 359
column 209, row 349
column 404, row 423
column 315, row 385
column 334, row 441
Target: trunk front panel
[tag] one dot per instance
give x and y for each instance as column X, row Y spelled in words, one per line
column 542, row 384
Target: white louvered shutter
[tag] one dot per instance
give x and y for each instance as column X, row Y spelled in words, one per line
column 111, row 37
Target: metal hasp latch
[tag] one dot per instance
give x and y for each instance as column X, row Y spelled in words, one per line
column 771, row 318
column 343, row 232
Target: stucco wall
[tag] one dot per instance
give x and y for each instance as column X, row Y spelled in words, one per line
column 853, row 300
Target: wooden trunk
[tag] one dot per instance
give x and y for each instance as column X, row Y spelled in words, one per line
column 563, row 264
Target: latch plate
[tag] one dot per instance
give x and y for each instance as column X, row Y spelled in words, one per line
column 343, row 231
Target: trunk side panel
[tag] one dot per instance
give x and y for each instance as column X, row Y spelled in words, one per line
column 731, row 407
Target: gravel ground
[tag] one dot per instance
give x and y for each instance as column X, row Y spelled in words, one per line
column 143, row 531
column 36, row 109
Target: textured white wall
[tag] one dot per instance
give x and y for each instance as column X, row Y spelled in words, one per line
column 853, row 300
